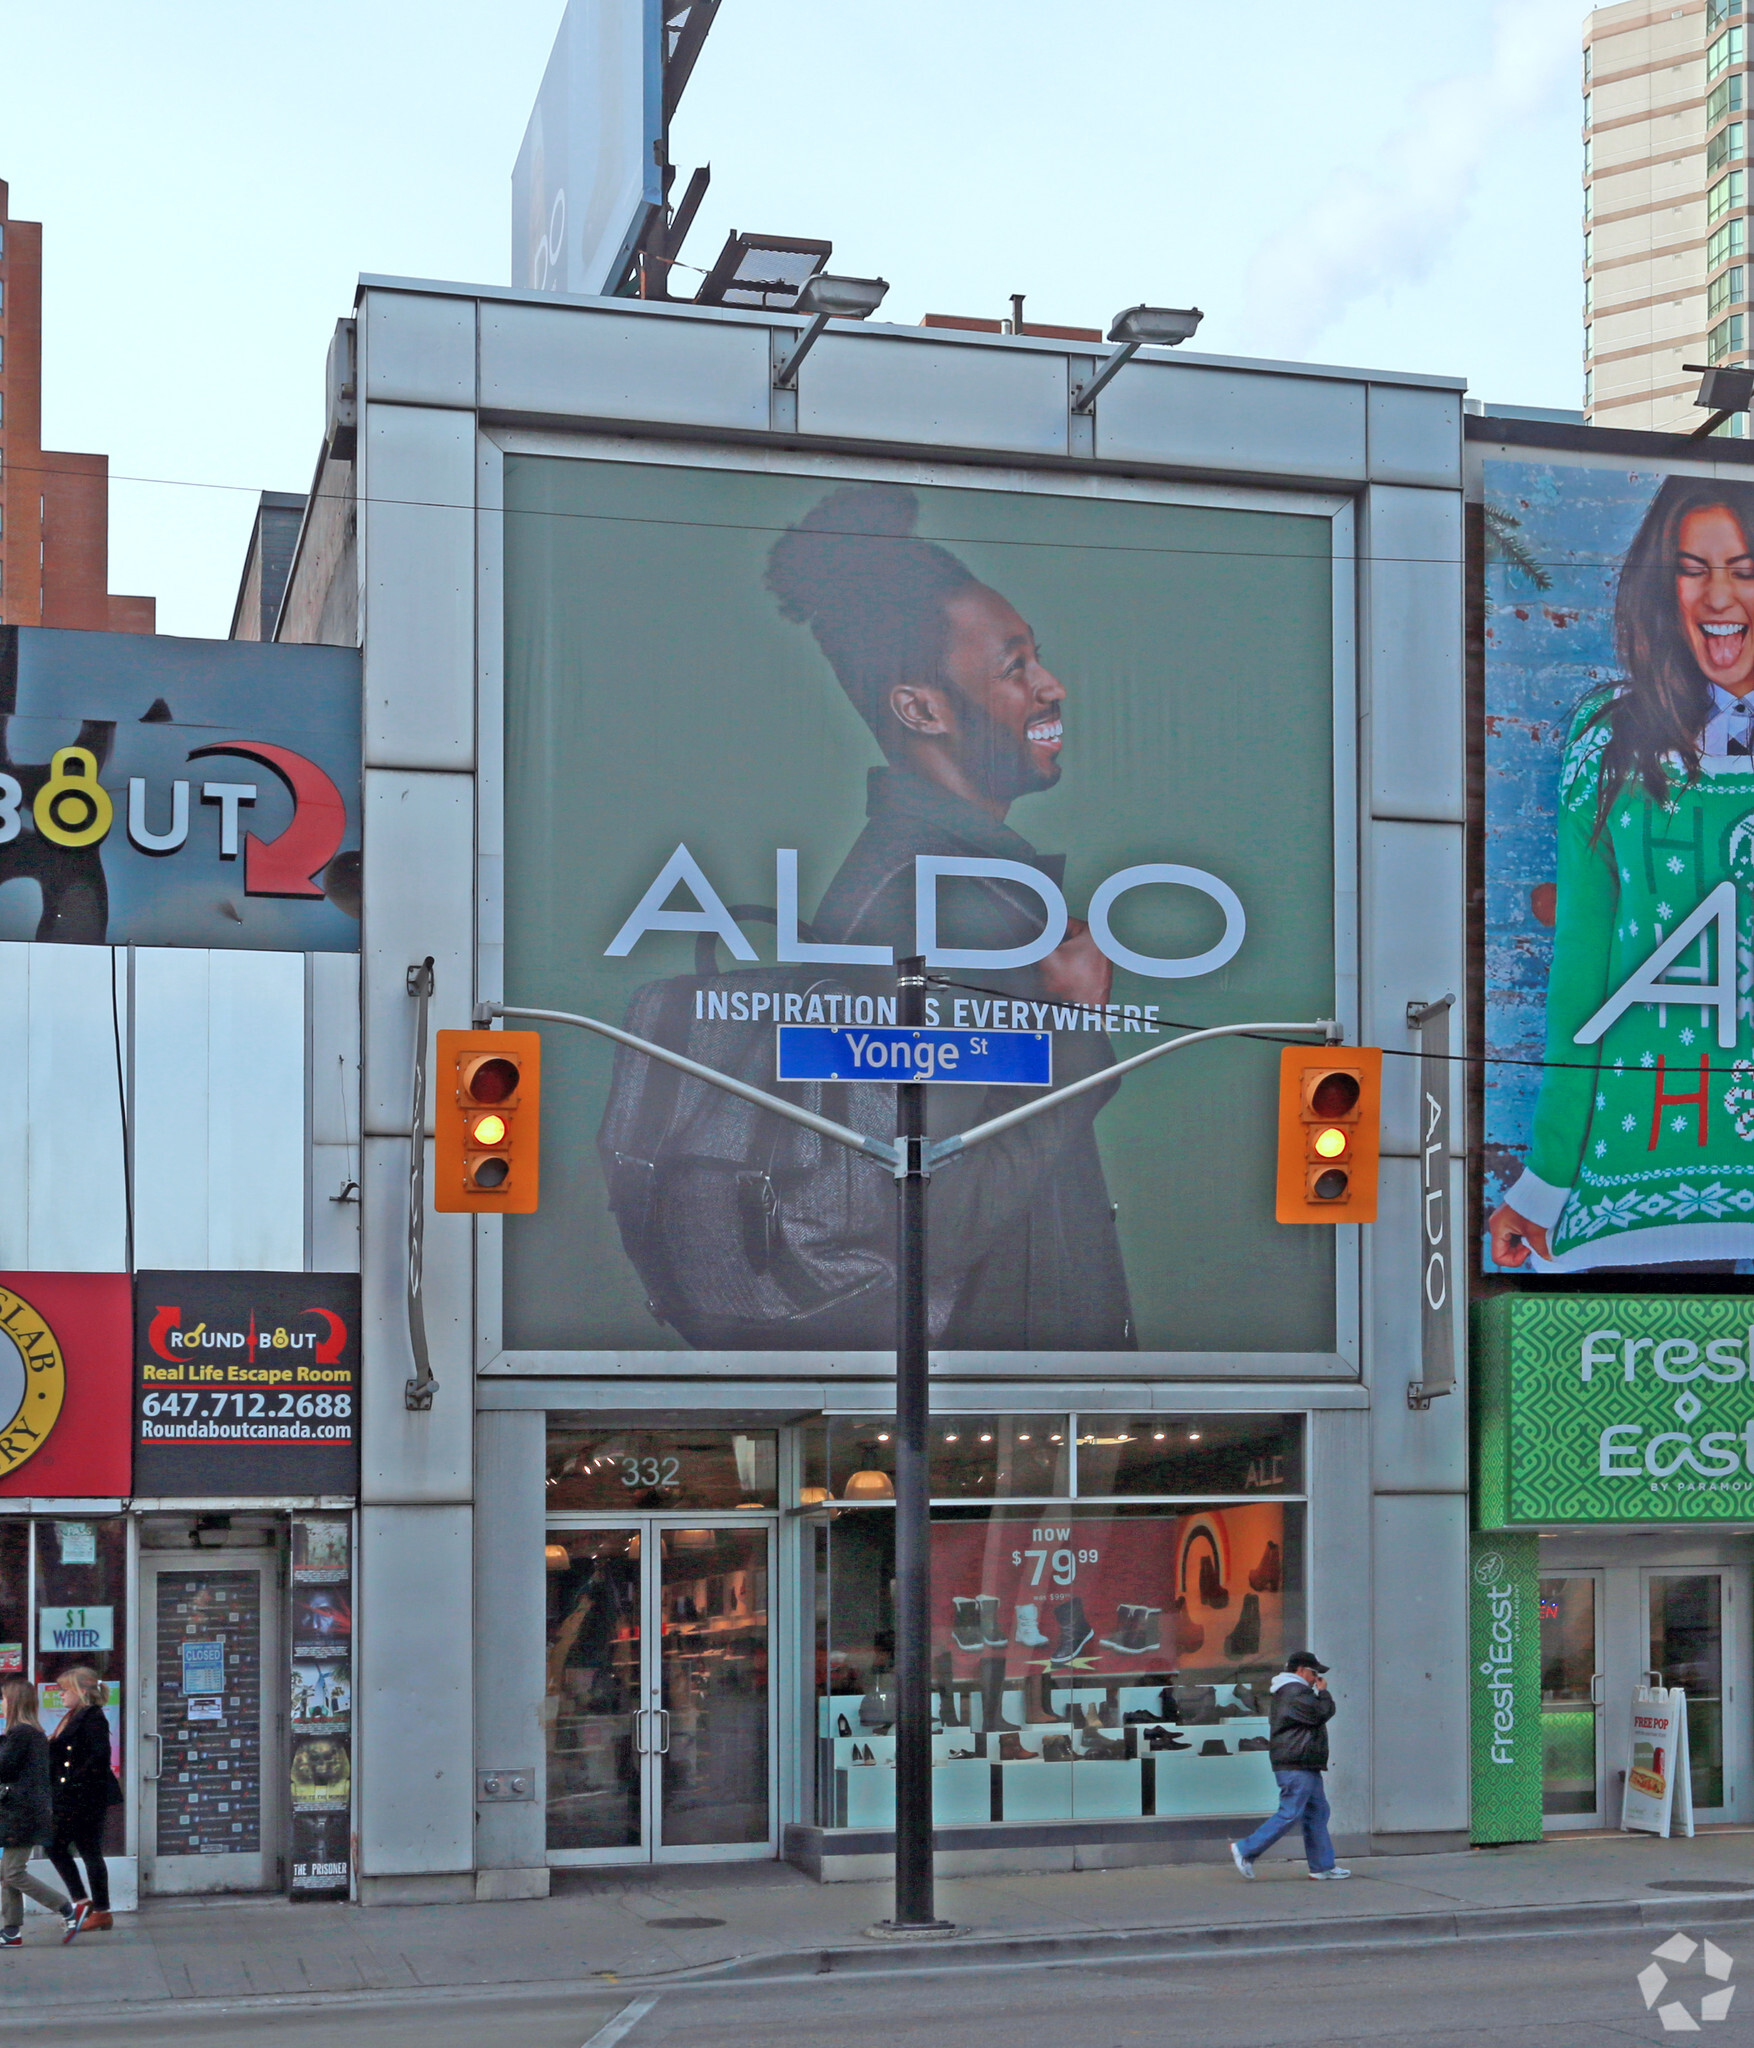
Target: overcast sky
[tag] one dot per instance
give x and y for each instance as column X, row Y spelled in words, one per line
column 1364, row 182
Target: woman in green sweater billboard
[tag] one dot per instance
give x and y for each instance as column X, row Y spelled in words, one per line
column 1640, row 1147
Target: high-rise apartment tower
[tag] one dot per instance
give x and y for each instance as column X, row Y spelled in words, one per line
column 54, row 507
column 1666, row 199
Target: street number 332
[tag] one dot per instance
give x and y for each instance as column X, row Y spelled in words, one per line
column 651, row 1472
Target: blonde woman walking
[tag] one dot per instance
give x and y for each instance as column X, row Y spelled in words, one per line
column 27, row 1816
column 84, row 1790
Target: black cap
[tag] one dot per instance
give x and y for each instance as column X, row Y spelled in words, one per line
column 1300, row 1659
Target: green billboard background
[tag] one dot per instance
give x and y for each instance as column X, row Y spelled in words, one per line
column 655, row 696
column 1614, row 1408
column 1504, row 1631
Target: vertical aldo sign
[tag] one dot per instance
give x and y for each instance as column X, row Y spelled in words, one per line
column 1614, row 1408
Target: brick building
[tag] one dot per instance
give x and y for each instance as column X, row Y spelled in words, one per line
column 54, row 507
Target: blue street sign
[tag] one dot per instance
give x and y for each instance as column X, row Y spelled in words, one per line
column 901, row 1052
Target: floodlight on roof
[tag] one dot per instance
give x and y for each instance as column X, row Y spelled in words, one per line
column 765, row 271
column 1725, row 390
column 828, row 298
column 1136, row 328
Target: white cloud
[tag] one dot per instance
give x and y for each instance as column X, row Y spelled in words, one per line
column 1369, row 229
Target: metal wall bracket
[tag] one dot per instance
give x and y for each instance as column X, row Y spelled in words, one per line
column 418, row 1392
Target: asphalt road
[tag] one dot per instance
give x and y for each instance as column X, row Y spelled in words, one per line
column 1562, row 1992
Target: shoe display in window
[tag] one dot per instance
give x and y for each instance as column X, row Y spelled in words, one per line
column 1198, row 1705
column 1057, row 1749
column 1265, row 1578
column 1075, row 1631
column 1188, row 1634
column 1245, row 1639
column 1028, row 1625
column 1011, row 1749
column 842, row 1725
column 1165, row 1739
column 1213, row 1591
column 1253, row 1742
column 993, row 1637
column 966, row 1631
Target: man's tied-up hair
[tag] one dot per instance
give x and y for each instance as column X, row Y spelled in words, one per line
column 855, row 572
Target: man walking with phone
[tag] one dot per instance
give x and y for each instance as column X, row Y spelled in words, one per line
column 1300, row 1712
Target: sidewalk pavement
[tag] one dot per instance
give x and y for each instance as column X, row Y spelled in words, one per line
column 741, row 1921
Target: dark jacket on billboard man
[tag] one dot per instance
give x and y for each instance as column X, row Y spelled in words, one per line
column 947, row 675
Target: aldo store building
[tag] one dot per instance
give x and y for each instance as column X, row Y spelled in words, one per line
column 693, row 704
column 1612, row 1361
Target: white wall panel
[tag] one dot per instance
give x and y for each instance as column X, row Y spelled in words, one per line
column 1412, row 685
column 417, row 522
column 510, row 1622
column 413, row 1688
column 942, row 393
column 1233, row 420
column 582, row 363
column 1413, row 950
column 63, row 1200
column 1415, row 436
column 419, row 899
column 417, row 351
column 1339, row 1609
column 219, row 1139
column 1421, row 1666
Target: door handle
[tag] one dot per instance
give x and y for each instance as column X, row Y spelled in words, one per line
column 663, row 1713
column 640, row 1745
column 152, row 1735
column 1595, row 1692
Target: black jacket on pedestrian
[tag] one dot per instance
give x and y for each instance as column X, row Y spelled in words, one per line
column 1024, row 1254
column 27, row 1813
column 1299, row 1718
column 79, row 1763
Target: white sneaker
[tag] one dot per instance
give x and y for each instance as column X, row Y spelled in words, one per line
column 1322, row 1876
column 1241, row 1861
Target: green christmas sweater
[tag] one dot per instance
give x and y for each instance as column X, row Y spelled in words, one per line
column 1643, row 1143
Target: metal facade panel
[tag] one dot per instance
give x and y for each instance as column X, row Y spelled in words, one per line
column 874, row 387
column 419, row 891
column 62, row 1196
column 1415, row 436
column 1412, row 698
column 219, row 1110
column 510, row 1630
column 417, row 351
column 579, row 363
column 1337, row 1576
column 1420, row 1586
column 1233, row 420
column 1414, row 950
column 412, row 1683
column 1426, row 1448
column 417, row 497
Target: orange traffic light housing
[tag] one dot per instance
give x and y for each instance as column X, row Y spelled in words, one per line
column 1330, row 1133
column 487, row 1122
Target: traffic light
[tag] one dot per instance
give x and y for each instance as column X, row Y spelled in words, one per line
column 487, row 1122
column 1330, row 1132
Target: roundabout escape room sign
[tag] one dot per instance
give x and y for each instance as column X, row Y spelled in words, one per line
column 1615, row 1408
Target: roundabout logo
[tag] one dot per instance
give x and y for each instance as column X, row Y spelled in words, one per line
column 1653, row 1981
column 33, row 1380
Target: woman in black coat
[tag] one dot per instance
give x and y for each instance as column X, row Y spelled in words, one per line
column 27, row 1815
column 85, row 1789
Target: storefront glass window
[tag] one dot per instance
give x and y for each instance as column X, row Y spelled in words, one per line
column 1087, row 1659
column 14, row 1597
column 973, row 1457
column 80, row 1601
column 1189, row 1454
column 658, row 1470
column 1687, row 1650
column 593, row 1688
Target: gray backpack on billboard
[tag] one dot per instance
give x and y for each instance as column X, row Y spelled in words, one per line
column 748, row 1232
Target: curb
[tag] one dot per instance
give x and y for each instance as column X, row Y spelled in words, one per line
column 967, row 1951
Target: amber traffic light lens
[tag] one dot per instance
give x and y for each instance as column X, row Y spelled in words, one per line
column 1332, row 1095
column 494, row 1080
column 1329, row 1144
column 1330, row 1185
column 490, row 1173
column 488, row 1130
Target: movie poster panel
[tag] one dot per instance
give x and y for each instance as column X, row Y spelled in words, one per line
column 766, row 736
column 320, row 1707
column 1619, row 857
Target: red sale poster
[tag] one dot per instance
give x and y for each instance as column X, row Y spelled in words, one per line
column 1113, row 1597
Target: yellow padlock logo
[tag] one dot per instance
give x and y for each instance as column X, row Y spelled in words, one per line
column 71, row 808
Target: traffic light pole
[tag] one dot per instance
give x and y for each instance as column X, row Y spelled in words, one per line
column 911, row 1158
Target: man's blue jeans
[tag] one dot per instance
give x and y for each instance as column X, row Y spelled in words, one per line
column 1301, row 1798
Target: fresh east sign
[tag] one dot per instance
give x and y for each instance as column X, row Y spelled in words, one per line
column 178, row 792
column 1616, row 1408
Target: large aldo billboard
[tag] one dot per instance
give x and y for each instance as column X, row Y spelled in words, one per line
column 766, row 735
column 1618, row 839
column 162, row 792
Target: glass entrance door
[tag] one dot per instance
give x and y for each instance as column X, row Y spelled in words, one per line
column 1571, row 1693
column 207, row 1724
column 659, row 1732
column 1693, row 1625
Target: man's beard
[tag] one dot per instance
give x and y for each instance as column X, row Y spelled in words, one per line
column 999, row 762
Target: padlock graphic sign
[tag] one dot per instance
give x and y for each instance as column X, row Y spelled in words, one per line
column 71, row 808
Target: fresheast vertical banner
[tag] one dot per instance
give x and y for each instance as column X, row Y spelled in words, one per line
column 768, row 735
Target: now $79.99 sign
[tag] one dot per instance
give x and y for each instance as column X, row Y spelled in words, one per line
column 246, row 1383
